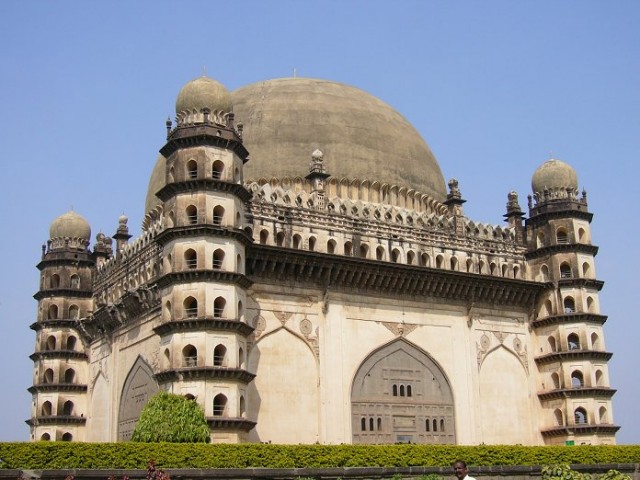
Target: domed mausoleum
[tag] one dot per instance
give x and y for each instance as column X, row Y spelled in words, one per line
column 305, row 274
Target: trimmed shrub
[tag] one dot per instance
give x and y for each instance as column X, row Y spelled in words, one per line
column 171, row 418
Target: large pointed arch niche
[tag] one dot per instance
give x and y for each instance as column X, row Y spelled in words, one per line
column 138, row 388
column 400, row 394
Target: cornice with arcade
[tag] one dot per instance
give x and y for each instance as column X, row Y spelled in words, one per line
column 353, row 274
column 570, row 318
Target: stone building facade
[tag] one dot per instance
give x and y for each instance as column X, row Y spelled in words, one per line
column 305, row 275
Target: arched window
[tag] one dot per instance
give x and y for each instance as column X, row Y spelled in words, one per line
column 243, row 408
column 454, row 263
column 402, row 390
column 219, row 354
column 516, row 271
column 217, row 169
column 439, row 261
column 544, row 273
column 189, row 396
column 434, row 424
column 331, row 246
column 192, row 215
column 51, row 343
column 565, row 270
column 348, row 248
column 561, row 237
column 577, row 379
column 591, row 307
column 218, row 215
column 189, row 356
column 595, row 341
column 219, row 405
column 427, row 425
column 280, row 239
column 540, row 240
column 442, row 424
column 71, row 342
column 75, row 281
column 191, row 258
column 492, row 268
column 69, row 375
column 582, row 235
column 46, row 409
column 411, row 258
column 53, row 312
column 190, row 306
column 586, row 270
column 580, row 415
column 241, row 357
column 558, row 417
column 67, row 408
column 297, row 241
column 240, row 311
column 192, row 169
column 45, row 437
column 555, row 378
column 425, row 260
column 469, row 265
column 54, row 282
column 569, row 305
column 395, row 255
column 218, row 258
column 505, row 270
column 379, row 423
column 364, row 250
column 264, row 237
column 599, row 378
column 363, row 424
column 481, row 267
column 395, row 390
column 408, row 390
column 380, row 253
column 48, row 376
column 573, row 342
column 312, row 244
column 218, row 307
column 602, row 413
column 167, row 358
column 67, row 437
column 167, row 310
column 552, row 343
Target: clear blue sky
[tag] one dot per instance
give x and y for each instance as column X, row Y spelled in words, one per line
column 493, row 86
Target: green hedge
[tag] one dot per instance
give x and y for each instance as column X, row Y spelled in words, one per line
column 131, row 455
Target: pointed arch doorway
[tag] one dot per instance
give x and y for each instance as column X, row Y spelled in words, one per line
column 401, row 395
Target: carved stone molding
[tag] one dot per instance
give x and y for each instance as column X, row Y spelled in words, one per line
column 400, row 329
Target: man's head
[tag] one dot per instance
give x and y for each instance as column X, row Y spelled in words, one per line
column 460, row 469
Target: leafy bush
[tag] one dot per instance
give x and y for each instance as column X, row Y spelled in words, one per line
column 171, row 418
column 135, row 455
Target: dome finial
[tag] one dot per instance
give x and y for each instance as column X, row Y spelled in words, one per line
column 204, row 70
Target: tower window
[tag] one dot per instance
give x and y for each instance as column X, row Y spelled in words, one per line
column 192, row 169
column 216, row 170
column 219, row 405
column 192, row 215
column 189, row 356
column 561, row 237
column 565, row 270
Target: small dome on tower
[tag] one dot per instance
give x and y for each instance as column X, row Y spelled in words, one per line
column 554, row 175
column 203, row 92
column 70, row 225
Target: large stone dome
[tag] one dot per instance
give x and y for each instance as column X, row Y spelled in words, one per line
column 554, row 175
column 70, row 225
column 361, row 137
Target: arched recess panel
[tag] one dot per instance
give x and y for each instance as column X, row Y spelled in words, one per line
column 138, row 388
column 98, row 423
column 505, row 406
column 283, row 398
column 422, row 395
